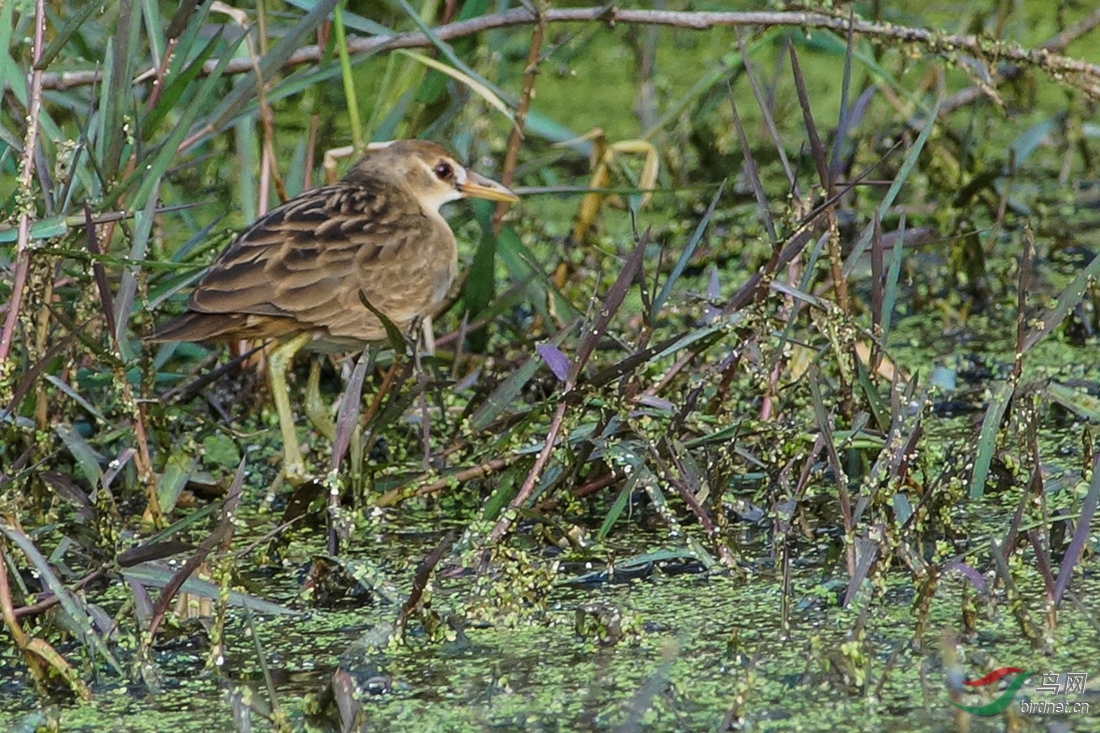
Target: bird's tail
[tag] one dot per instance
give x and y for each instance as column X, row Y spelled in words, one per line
column 195, row 326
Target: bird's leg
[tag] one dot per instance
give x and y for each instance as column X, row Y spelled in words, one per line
column 278, row 360
column 355, row 450
column 428, row 335
column 316, row 410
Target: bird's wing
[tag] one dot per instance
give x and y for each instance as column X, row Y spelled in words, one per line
column 308, row 259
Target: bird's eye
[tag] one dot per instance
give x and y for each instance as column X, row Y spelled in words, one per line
column 444, row 170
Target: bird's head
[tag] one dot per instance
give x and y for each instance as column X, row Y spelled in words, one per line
column 429, row 171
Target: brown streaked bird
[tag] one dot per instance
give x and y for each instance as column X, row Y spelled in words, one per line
column 297, row 275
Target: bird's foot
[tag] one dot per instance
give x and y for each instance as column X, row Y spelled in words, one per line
column 295, row 473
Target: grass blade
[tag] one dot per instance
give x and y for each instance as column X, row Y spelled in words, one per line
column 80, row 617
column 245, row 89
column 987, row 437
column 895, row 188
column 1067, row 301
column 685, row 256
column 474, row 85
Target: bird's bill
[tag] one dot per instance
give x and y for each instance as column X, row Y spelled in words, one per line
column 479, row 187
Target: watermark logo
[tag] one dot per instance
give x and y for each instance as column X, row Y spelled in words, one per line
column 1005, row 698
column 1054, row 684
column 1050, row 684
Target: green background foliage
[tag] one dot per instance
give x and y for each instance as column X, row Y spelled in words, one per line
column 804, row 422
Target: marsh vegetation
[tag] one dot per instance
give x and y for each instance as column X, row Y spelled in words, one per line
column 773, row 404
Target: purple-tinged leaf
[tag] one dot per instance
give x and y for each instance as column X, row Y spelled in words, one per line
column 614, row 299
column 116, row 465
column 555, row 359
column 69, row 490
column 970, row 574
column 1081, row 534
column 713, row 284
column 867, row 551
column 658, row 403
column 348, row 417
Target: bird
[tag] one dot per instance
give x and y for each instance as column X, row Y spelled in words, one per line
column 299, row 275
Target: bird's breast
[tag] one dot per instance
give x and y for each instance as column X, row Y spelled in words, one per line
column 442, row 263
column 410, row 279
